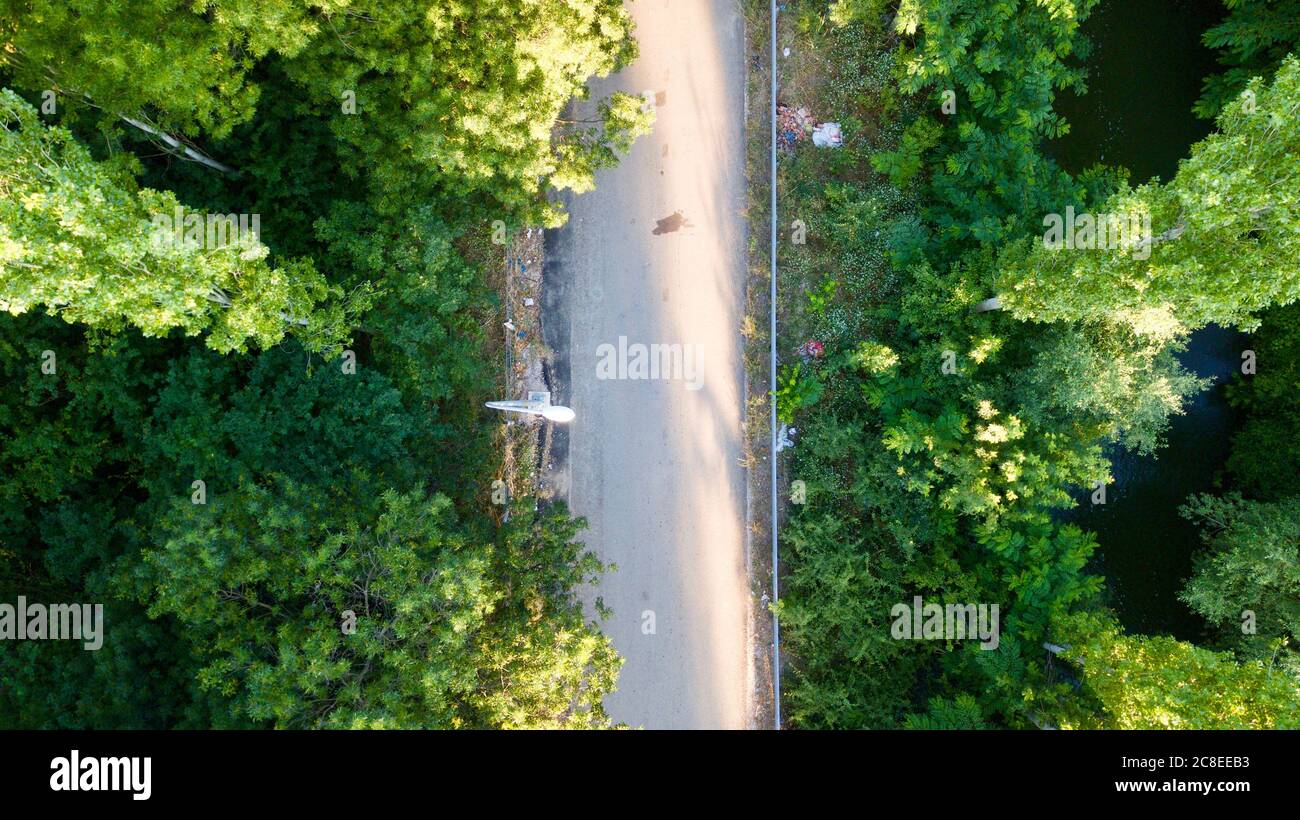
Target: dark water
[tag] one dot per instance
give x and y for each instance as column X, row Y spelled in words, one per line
column 1146, row 547
column 1145, row 73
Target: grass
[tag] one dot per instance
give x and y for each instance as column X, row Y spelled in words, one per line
column 842, row 74
column 845, row 75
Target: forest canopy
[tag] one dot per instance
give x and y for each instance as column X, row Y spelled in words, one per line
column 262, row 455
column 978, row 378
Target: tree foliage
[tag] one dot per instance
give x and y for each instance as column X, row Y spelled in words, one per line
column 1247, row 581
column 79, row 239
column 437, row 100
column 281, row 538
column 1156, row 682
column 947, row 442
column 1253, row 39
column 1223, row 245
column 189, row 66
column 1000, row 64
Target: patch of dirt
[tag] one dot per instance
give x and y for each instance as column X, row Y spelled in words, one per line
column 527, row 440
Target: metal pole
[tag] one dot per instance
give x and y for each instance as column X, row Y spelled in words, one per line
column 776, row 558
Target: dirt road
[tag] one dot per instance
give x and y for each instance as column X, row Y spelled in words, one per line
column 656, row 256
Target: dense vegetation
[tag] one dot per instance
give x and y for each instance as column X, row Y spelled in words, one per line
column 945, row 431
column 265, row 457
column 1252, row 40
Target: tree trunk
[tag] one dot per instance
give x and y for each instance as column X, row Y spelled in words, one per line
column 174, row 144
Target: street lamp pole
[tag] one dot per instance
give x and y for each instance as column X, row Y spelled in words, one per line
column 537, row 404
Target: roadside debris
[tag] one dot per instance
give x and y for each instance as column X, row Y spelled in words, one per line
column 525, row 355
column 828, row 135
column 785, row 437
column 526, row 444
column 792, row 125
column 811, row 349
column 795, row 124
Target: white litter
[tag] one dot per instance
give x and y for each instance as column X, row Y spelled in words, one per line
column 783, row 440
column 828, row 135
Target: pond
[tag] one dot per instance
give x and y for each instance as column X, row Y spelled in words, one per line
column 1145, row 73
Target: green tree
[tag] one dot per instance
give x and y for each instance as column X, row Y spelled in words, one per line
column 1106, row 380
column 1254, row 39
column 320, row 498
column 541, row 663
column 67, row 443
column 846, row 569
column 269, row 585
column 312, row 611
column 1146, row 682
column 80, row 240
column 1223, row 246
column 188, row 66
column 1264, row 462
column 587, row 146
column 952, row 409
column 1000, row 63
column 1247, row 581
column 456, row 103
column 962, row 712
column 446, row 102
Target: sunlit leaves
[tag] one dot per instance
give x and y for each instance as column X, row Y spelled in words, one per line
column 79, row 240
column 1224, row 244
